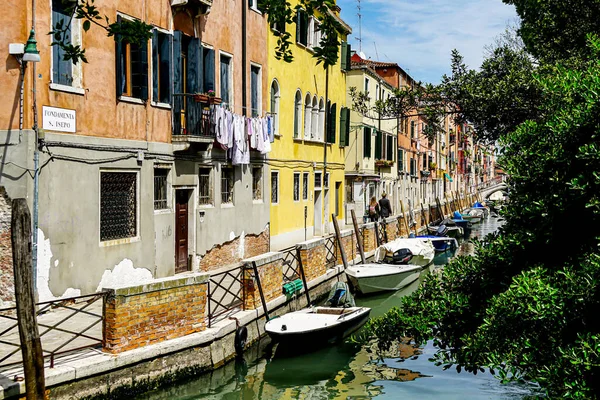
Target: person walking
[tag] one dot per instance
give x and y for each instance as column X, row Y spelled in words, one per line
column 385, row 206
column 373, row 209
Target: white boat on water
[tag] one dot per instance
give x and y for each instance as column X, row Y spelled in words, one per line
column 397, row 264
column 421, row 252
column 371, row 278
column 313, row 327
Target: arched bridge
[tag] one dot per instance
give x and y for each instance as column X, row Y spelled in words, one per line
column 495, row 187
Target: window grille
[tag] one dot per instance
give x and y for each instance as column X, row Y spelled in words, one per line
column 204, row 186
column 118, row 205
column 160, row 188
column 227, row 185
column 274, row 187
column 296, row 186
column 257, row 183
column 305, row 186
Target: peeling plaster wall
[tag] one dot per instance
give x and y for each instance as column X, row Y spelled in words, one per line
column 124, row 272
column 7, row 281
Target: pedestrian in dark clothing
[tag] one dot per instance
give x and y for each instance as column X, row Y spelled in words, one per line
column 385, row 206
column 373, row 209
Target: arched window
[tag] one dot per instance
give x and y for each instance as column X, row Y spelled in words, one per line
column 315, row 119
column 321, row 120
column 307, row 115
column 297, row 114
column 275, row 105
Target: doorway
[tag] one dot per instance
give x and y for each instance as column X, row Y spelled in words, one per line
column 182, row 198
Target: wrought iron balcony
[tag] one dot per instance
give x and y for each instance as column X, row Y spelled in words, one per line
column 192, row 119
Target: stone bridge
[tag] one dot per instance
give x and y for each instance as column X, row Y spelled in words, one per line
column 489, row 190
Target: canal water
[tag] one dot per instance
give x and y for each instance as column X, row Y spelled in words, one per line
column 347, row 370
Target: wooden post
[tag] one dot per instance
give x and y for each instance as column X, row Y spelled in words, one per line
column 31, row 345
column 301, row 267
column 339, row 240
column 424, row 215
column 260, row 291
column 404, row 218
column 359, row 238
column 440, row 211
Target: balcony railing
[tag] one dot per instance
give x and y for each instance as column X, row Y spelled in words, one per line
column 191, row 117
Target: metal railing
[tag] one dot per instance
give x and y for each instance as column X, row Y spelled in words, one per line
column 291, row 264
column 191, row 117
column 330, row 251
column 54, row 316
column 225, row 293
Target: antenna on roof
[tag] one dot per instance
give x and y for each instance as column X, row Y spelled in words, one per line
column 359, row 38
column 376, row 52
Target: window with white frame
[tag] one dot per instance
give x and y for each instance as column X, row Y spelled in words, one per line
column 296, row 186
column 318, row 179
column 274, row 187
column 314, row 130
column 205, row 191
column 307, row 116
column 275, row 95
column 320, row 133
column 64, row 72
column 226, row 78
column 255, row 90
column 257, row 183
column 118, row 205
column 326, row 183
column 227, row 184
column 161, row 66
column 367, row 85
column 161, row 187
column 305, row 186
column 297, row 114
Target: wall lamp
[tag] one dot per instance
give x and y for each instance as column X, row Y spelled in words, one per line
column 27, row 52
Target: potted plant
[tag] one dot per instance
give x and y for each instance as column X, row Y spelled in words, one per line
column 200, row 97
column 432, row 166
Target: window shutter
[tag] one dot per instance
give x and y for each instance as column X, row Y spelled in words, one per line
column 120, row 62
column 166, row 60
column 209, row 69
column 304, row 28
column 348, row 56
column 390, row 148
column 298, row 26
column 343, row 142
column 378, row 145
column 194, row 67
column 155, row 63
column 367, row 142
column 347, row 130
column 143, row 60
column 400, row 160
column 62, row 71
column 343, row 57
column 331, row 124
column 177, row 63
column 139, row 70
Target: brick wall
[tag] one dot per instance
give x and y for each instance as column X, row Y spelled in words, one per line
column 369, row 240
column 313, row 256
column 270, row 273
column 402, row 223
column 137, row 316
column 7, row 283
column 229, row 252
column 391, row 228
column 348, row 244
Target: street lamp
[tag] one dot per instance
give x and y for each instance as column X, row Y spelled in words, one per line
column 31, row 52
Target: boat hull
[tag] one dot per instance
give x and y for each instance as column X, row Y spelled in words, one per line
column 313, row 337
column 384, row 278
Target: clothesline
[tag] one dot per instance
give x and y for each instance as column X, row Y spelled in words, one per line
column 228, row 107
column 237, row 134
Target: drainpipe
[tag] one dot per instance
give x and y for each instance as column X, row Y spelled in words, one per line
column 327, row 111
column 36, row 161
column 244, row 60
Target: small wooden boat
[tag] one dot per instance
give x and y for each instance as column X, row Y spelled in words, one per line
column 412, row 251
column 453, row 230
column 441, row 243
column 314, row 327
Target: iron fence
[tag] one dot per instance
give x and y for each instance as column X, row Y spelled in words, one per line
column 79, row 327
column 330, row 251
column 291, row 264
column 192, row 117
column 225, row 293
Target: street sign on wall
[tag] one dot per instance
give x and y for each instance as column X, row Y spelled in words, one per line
column 59, row 119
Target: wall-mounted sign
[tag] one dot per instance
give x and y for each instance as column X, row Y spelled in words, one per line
column 59, row 119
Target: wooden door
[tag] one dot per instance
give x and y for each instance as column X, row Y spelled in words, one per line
column 181, row 231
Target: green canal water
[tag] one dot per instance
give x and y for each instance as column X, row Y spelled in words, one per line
column 348, row 371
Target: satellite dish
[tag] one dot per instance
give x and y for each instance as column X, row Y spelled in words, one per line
column 362, row 55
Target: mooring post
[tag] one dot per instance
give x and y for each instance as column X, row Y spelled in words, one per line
column 405, row 218
column 359, row 238
column 301, row 267
column 338, row 236
column 31, row 345
column 260, row 290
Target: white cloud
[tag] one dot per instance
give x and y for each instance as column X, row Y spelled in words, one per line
column 421, row 35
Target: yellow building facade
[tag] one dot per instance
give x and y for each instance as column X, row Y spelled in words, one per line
column 303, row 198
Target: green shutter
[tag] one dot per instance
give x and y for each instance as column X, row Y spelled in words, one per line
column 344, row 127
column 378, row 146
column 344, row 57
column 120, row 62
column 366, row 142
column 331, row 124
column 155, row 63
column 209, row 69
column 390, row 148
column 400, row 160
column 348, row 56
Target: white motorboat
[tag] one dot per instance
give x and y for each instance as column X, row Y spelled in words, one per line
column 371, row 278
column 312, row 327
column 412, row 251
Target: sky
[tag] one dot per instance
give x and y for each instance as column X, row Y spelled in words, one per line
column 419, row 35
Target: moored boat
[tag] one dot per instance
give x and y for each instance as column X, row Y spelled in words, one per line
column 314, row 327
column 371, row 278
column 412, row 251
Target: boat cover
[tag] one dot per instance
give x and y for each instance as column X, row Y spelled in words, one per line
column 457, row 215
column 419, row 247
column 340, row 296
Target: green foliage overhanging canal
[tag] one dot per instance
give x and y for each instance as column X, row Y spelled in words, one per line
column 526, row 305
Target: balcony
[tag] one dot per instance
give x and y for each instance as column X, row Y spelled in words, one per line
column 384, row 163
column 198, row 6
column 192, row 120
